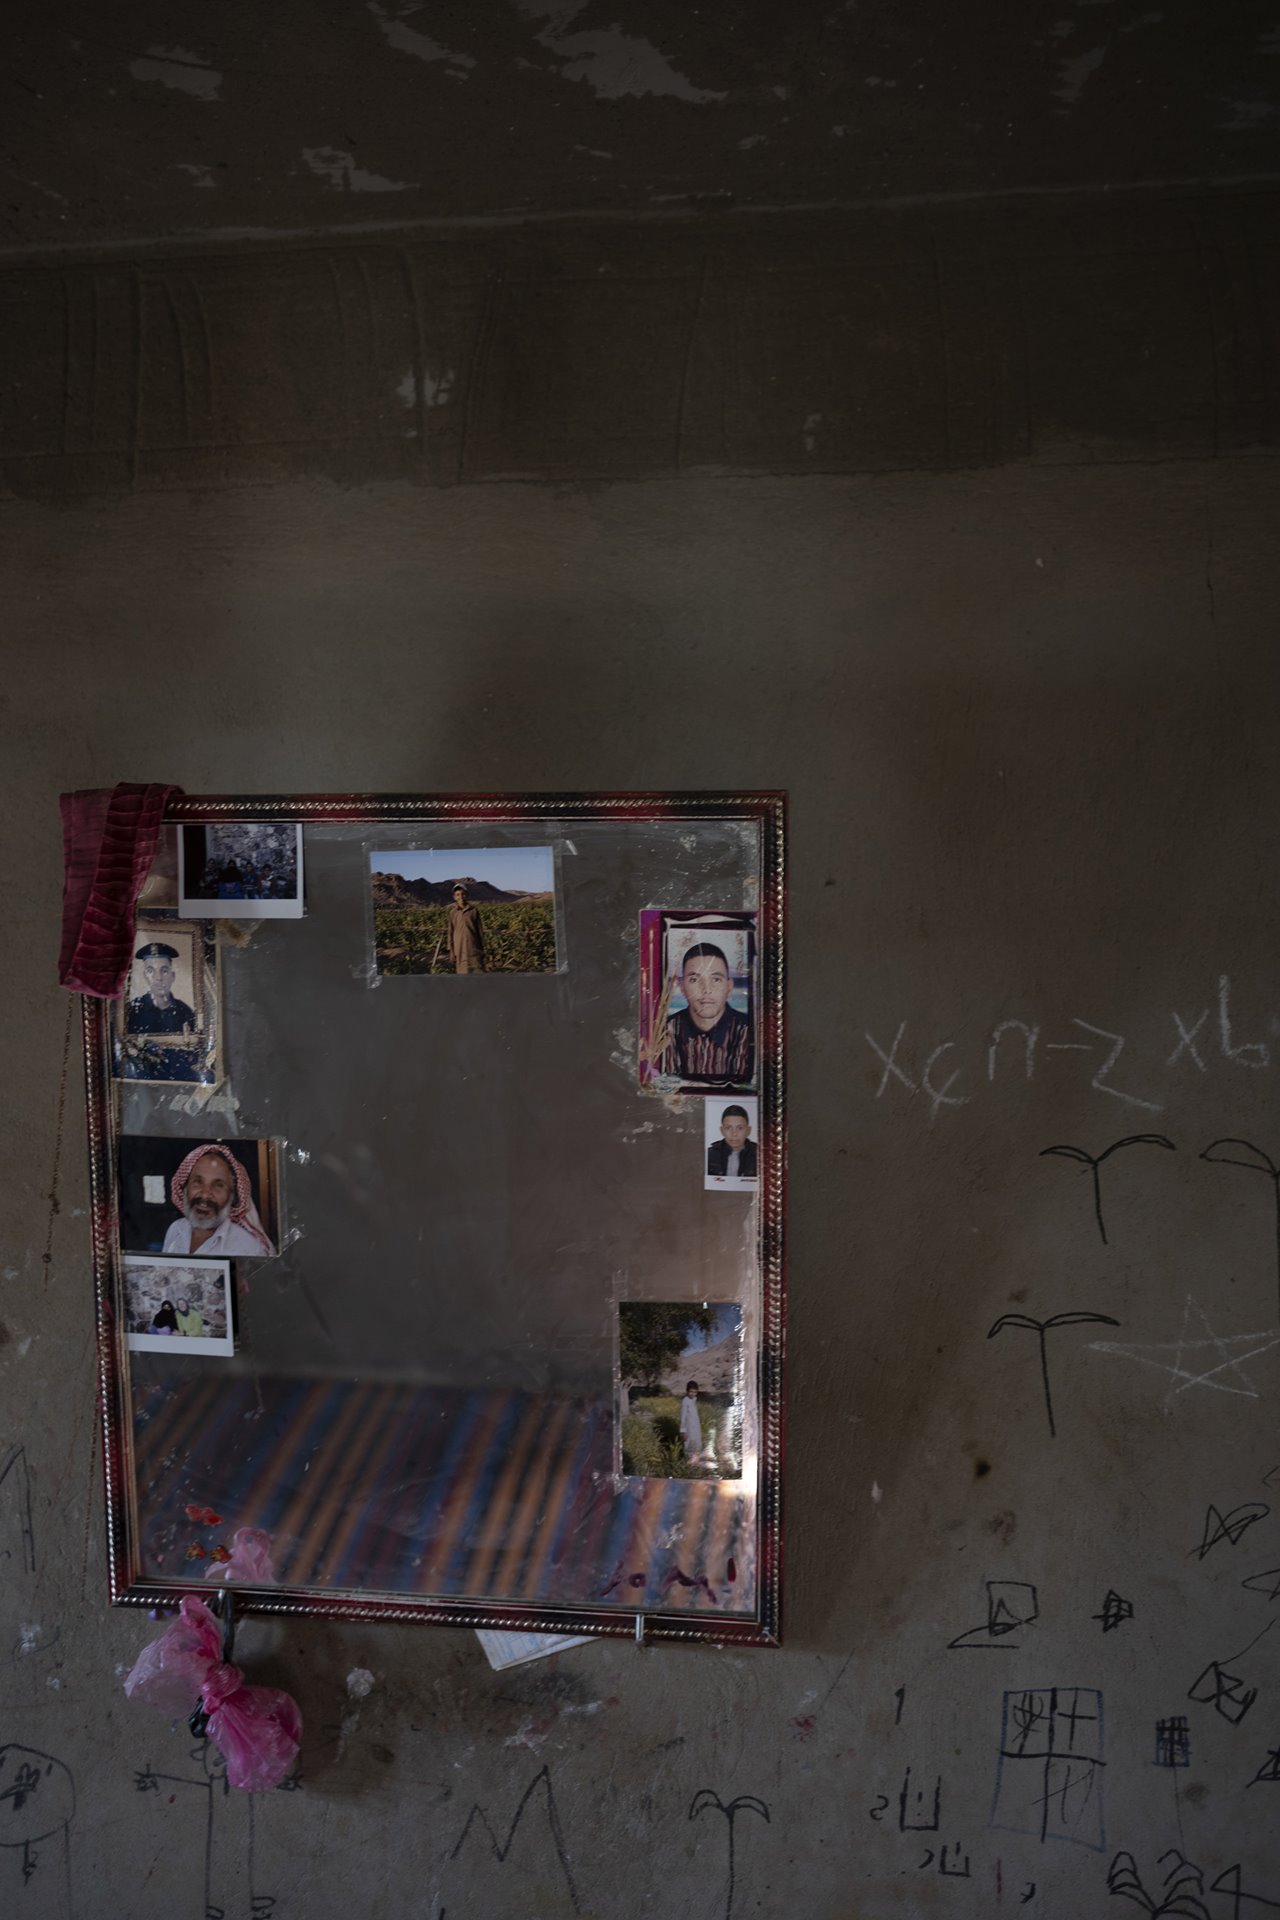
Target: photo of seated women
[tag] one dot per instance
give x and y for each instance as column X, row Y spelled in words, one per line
column 178, row 1306
column 241, row 869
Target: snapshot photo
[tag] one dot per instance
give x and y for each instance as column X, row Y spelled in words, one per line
column 178, row 1306
column 697, row 1001
column 464, row 910
column 680, row 1390
column 166, row 1023
column 240, row 870
column 217, row 1199
column 732, row 1155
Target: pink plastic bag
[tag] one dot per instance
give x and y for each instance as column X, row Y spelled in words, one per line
column 171, row 1671
column 249, row 1564
column 258, row 1730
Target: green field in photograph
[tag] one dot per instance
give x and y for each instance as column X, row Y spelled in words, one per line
column 519, row 937
column 651, row 1434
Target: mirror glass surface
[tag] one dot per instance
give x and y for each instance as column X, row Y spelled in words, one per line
column 434, row 1388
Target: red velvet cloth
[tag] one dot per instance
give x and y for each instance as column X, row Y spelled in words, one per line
column 109, row 841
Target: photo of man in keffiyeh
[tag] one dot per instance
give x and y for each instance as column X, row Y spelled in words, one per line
column 214, row 1198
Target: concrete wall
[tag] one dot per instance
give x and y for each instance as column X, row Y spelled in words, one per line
column 1027, row 718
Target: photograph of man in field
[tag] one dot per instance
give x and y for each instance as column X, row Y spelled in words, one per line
column 464, row 910
column 680, row 1390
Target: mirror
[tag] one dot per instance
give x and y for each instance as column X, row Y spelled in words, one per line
column 438, row 1210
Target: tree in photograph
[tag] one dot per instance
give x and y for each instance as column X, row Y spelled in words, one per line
column 652, row 1336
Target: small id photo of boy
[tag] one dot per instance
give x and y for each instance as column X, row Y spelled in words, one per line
column 732, row 1153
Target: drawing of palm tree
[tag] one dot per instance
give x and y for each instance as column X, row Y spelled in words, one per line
column 1183, row 1885
column 1040, row 1328
column 745, row 1803
column 1258, row 1162
column 1094, row 1163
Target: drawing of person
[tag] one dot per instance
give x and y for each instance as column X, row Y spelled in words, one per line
column 734, row 1156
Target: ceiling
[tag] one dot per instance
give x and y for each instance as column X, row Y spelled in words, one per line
column 147, row 122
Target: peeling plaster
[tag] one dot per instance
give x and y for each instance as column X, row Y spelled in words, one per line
column 49, row 192
column 613, row 64
column 342, row 173
column 1075, row 74
column 179, row 68
column 407, row 39
column 436, row 391
column 1246, row 115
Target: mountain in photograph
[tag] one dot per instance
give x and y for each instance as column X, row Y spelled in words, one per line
column 714, row 1368
column 393, row 890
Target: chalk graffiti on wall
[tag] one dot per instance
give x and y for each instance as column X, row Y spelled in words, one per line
column 946, row 1077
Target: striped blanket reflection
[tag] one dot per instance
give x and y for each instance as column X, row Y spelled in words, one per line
column 382, row 1487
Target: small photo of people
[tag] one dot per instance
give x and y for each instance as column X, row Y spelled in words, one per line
column 465, row 910
column 697, row 1001
column 178, row 1306
column 240, row 870
column 680, row 1390
column 166, row 1022
column 732, row 1152
column 215, row 1198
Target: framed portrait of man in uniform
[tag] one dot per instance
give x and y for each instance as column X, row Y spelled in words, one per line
column 166, row 1022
